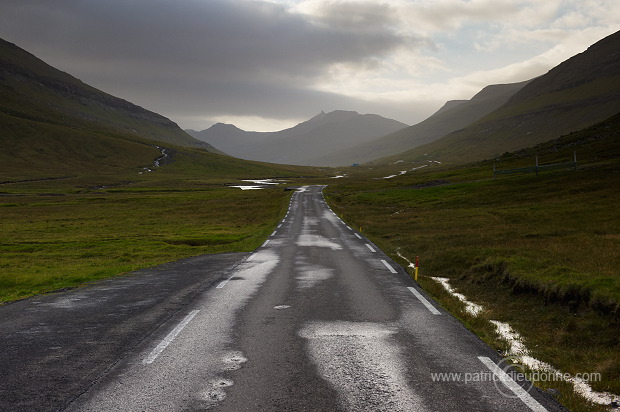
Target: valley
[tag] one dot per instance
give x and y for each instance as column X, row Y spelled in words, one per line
column 94, row 188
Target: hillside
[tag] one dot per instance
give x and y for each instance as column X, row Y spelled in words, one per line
column 308, row 143
column 52, row 123
column 538, row 251
column 454, row 115
column 92, row 186
column 578, row 93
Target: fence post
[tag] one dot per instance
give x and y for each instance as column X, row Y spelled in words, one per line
column 536, row 165
column 575, row 158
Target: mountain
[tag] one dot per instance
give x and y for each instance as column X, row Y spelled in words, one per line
column 228, row 138
column 454, row 115
column 23, row 75
column 54, row 120
column 308, row 143
column 576, row 94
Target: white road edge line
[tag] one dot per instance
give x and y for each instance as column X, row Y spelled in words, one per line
column 525, row 397
column 265, row 244
column 168, row 339
column 387, row 265
column 370, row 247
column 425, row 302
column 358, row 236
column 274, row 233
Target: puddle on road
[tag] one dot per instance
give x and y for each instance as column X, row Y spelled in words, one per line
column 360, row 360
column 309, row 275
column 307, row 238
column 309, row 221
column 331, row 216
column 317, row 241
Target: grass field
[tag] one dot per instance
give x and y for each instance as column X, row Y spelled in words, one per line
column 77, row 220
column 539, row 252
column 52, row 242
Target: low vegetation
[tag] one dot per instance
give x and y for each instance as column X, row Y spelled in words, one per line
column 540, row 252
column 66, row 225
column 52, row 242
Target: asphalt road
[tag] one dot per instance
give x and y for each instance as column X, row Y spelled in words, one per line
column 318, row 318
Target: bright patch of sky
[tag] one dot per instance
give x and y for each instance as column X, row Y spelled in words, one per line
column 452, row 48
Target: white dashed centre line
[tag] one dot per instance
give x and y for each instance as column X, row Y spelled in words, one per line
column 387, row 265
column 525, row 397
column 168, row 339
column 425, row 302
column 224, row 282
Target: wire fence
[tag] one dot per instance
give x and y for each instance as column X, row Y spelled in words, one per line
column 537, row 168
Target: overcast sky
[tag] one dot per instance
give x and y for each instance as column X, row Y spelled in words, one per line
column 267, row 65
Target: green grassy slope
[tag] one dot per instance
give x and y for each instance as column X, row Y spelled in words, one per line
column 578, row 93
column 53, row 125
column 32, row 90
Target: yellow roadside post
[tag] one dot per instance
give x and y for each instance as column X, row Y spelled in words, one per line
column 417, row 264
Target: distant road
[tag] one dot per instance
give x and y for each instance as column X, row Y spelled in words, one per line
column 318, row 318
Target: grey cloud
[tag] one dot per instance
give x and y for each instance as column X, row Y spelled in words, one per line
column 356, row 15
column 240, row 57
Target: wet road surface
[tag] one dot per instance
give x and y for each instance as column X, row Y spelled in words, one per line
column 317, row 319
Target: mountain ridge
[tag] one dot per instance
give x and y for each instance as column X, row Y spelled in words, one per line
column 576, row 94
column 454, row 115
column 305, row 143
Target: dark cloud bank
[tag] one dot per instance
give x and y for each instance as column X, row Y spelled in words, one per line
column 208, row 57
